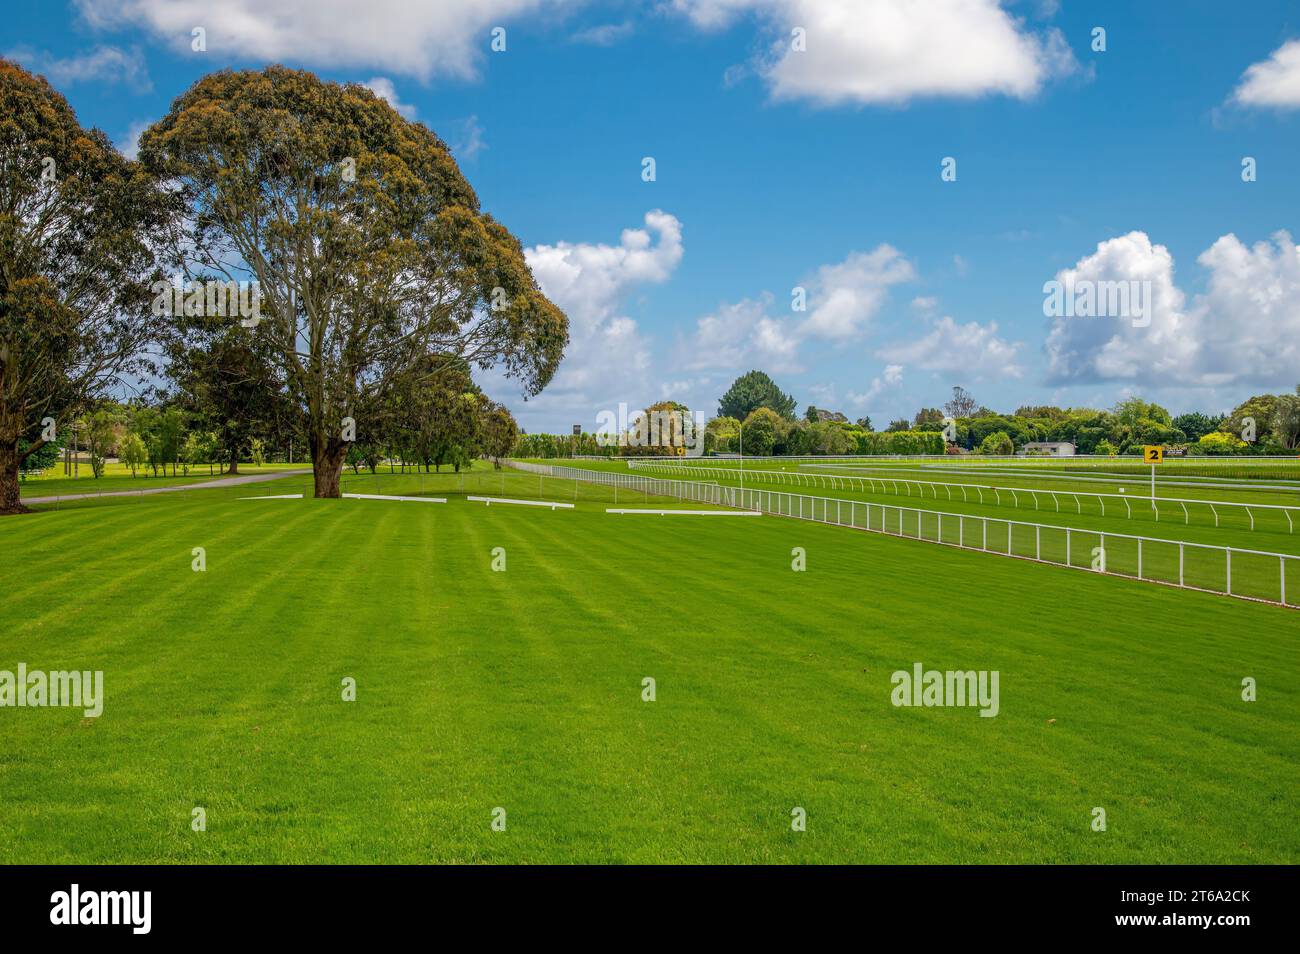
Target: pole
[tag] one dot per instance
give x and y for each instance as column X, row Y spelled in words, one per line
column 1153, row 486
column 742, row 459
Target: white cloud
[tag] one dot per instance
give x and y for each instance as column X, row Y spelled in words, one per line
column 469, row 141
column 1243, row 330
column 673, row 390
column 608, row 359
column 129, row 144
column 824, row 395
column 103, row 64
column 1274, row 81
column 1099, row 348
column 892, row 378
column 383, row 87
column 734, row 75
column 893, row 51
column 972, row 348
column 587, row 280
column 711, row 14
column 446, row 38
column 607, row 34
column 742, row 335
column 1248, row 321
column 844, row 297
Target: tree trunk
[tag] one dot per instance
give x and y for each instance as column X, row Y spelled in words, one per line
column 234, row 461
column 327, row 466
column 9, row 489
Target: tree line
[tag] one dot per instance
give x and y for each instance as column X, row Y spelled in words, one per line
column 755, row 415
column 368, row 283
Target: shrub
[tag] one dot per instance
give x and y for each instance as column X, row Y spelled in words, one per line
column 997, row 443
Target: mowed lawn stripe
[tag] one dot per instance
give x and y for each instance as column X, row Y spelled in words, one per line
column 662, row 634
column 523, row 689
column 590, row 687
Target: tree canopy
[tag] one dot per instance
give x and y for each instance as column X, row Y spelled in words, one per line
column 77, row 223
column 368, row 245
column 752, row 390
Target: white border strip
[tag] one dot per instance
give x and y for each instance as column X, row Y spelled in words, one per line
column 275, row 497
column 523, row 503
column 696, row 513
column 386, row 497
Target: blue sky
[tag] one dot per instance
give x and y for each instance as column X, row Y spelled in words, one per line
column 818, row 168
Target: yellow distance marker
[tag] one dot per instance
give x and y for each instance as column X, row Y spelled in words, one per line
column 1153, row 454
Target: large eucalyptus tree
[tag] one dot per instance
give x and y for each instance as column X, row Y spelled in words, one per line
column 78, row 222
column 369, row 247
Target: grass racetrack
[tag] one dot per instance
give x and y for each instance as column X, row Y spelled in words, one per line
column 522, row 690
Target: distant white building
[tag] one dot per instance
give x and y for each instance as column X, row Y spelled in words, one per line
column 1048, row 448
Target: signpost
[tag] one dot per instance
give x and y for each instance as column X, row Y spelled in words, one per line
column 1153, row 454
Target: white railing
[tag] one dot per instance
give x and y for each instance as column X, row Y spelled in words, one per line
column 1229, row 571
column 969, row 491
column 679, row 489
column 933, row 461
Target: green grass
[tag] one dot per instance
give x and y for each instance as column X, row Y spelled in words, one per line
column 522, row 689
column 1271, row 531
column 1246, row 468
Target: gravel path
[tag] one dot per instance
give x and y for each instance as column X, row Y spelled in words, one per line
column 222, row 482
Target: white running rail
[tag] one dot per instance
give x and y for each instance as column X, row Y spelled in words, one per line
column 995, row 494
column 395, row 497
column 689, row 513
column 554, row 505
column 1228, row 571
